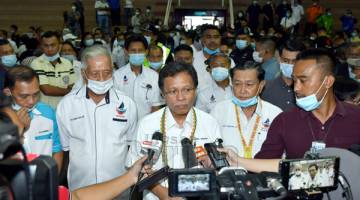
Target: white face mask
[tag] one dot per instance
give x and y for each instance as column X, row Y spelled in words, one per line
column 100, row 87
column 257, row 57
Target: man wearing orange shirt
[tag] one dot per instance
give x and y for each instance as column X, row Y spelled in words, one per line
column 311, row 14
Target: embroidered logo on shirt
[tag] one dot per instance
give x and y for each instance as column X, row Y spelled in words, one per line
column 66, row 79
column 121, row 109
column 125, row 79
column 212, row 99
column 266, row 123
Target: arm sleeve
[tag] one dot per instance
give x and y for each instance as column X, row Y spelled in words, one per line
column 135, row 148
column 131, row 133
column 156, row 97
column 36, row 66
column 273, row 147
column 56, row 140
column 64, row 133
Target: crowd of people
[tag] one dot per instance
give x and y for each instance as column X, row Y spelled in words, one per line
column 95, row 97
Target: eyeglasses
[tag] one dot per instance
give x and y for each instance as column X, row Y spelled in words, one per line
column 175, row 92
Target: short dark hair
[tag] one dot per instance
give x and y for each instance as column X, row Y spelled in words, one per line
column 4, row 42
column 184, row 47
column 267, row 44
column 249, row 65
column 293, row 45
column 135, row 38
column 313, row 165
column 49, row 34
column 214, row 56
column 324, row 59
column 19, row 73
column 172, row 69
column 206, row 27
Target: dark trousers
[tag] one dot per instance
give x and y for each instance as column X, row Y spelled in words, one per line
column 115, row 17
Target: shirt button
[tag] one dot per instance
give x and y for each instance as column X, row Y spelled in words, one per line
column 289, row 90
column 288, row 102
column 322, row 128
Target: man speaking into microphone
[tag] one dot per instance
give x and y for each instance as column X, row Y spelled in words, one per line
column 178, row 120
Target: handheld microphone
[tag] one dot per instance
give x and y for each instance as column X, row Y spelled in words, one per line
column 188, row 154
column 154, row 148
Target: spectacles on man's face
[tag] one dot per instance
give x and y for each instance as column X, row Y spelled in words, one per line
column 183, row 91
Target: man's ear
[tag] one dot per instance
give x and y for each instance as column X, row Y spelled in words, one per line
column 330, row 81
column 208, row 68
column 7, row 91
column 261, row 86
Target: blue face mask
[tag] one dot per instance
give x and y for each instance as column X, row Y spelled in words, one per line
column 89, row 42
column 136, row 59
column 241, row 44
column 211, row 52
column 9, row 60
column 353, row 76
column 253, row 45
column 53, row 58
column 286, row 69
column 245, row 103
column 155, row 65
column 310, row 102
column 219, row 73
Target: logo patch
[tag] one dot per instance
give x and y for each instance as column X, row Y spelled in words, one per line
column 125, row 79
column 121, row 110
column 212, row 99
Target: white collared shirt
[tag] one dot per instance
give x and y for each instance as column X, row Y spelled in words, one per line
column 225, row 114
column 207, row 98
column 42, row 136
column 207, row 130
column 143, row 88
column 96, row 135
column 204, row 77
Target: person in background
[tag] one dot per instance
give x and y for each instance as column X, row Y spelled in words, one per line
column 87, row 40
column 280, row 91
column 268, row 11
column 118, row 51
column 288, row 22
column 348, row 22
column 103, row 15
column 148, row 16
column 326, row 21
column 225, row 47
column 253, row 14
column 184, row 53
column 297, row 14
column 347, row 90
column 265, row 54
column 128, row 11
column 155, row 57
column 52, row 87
column 281, row 11
column 220, row 89
column 69, row 52
column 115, row 12
column 312, row 13
column 72, row 20
column 188, row 39
column 243, row 50
column 136, row 21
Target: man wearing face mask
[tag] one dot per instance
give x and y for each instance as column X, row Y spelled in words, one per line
column 155, row 57
column 265, row 53
column 320, row 121
column 96, row 123
column 136, row 21
column 245, row 119
column 243, row 50
column 41, row 130
column 56, row 74
column 280, row 91
column 135, row 80
column 211, row 40
column 298, row 180
column 219, row 89
column 8, row 59
column 253, row 14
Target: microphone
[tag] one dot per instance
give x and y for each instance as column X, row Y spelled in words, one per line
column 188, row 153
column 154, row 148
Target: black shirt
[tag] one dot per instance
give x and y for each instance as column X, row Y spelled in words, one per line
column 241, row 55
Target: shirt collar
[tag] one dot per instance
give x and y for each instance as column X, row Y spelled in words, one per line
column 170, row 121
column 84, row 92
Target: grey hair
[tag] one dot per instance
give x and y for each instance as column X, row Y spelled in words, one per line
column 93, row 51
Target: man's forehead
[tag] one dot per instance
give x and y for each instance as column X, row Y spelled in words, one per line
column 6, row 47
column 211, row 32
column 305, row 67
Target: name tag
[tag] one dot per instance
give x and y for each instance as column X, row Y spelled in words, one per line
column 316, row 146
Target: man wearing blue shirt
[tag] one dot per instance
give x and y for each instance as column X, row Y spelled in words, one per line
column 41, row 130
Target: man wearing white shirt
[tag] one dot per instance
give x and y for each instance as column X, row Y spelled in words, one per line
column 297, row 13
column 211, row 40
column 179, row 119
column 95, row 123
column 314, row 180
column 136, row 81
column 219, row 89
column 245, row 119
